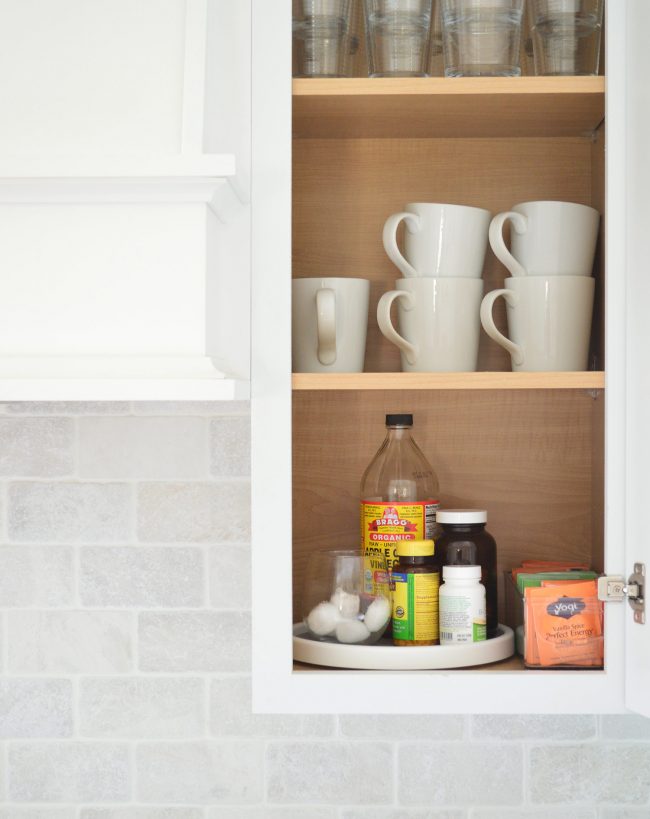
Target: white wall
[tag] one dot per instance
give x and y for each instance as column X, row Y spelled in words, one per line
column 125, row 598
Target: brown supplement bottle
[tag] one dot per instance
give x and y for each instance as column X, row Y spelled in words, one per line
column 415, row 581
column 463, row 542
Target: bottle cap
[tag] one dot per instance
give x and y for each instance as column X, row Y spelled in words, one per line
column 415, row 548
column 399, row 420
column 461, row 572
column 461, row 516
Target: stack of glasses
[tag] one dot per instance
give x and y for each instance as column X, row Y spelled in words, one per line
column 478, row 38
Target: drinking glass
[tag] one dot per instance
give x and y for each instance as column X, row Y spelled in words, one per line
column 321, row 40
column 481, row 38
column 346, row 597
column 397, row 33
column 566, row 36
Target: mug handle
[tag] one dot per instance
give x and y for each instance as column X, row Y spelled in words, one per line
column 520, row 225
column 487, row 320
column 386, row 325
column 390, row 241
column 326, row 325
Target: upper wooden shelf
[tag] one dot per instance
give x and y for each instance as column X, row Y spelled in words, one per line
column 444, row 107
column 449, row 381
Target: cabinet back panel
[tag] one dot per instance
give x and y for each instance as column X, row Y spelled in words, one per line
column 533, row 459
column 343, row 191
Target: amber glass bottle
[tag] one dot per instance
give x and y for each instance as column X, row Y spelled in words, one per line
column 464, row 541
column 415, row 583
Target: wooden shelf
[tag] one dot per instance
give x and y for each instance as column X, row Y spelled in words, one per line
column 443, row 107
column 449, row 381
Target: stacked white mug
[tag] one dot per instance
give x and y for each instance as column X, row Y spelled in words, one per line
column 549, row 297
column 439, row 298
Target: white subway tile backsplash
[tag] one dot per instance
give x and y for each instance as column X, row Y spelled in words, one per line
column 194, row 512
column 442, row 727
column 133, row 812
column 123, row 576
column 600, row 774
column 401, row 813
column 36, row 576
column 36, row 447
column 533, row 726
column 69, row 772
column 191, row 408
column 230, row 577
column 231, row 715
column 268, row 812
column 333, row 772
column 35, row 708
column 68, row 407
column 460, row 774
column 625, row 726
column 194, row 641
column 70, row 642
column 141, row 708
column 230, row 454
column 200, row 772
column 142, row 448
column 69, row 512
column 16, row 812
column 560, row 812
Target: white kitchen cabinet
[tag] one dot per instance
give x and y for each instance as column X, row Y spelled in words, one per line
column 559, row 460
column 124, row 200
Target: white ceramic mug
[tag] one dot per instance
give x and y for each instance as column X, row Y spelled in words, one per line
column 329, row 324
column 439, row 323
column 547, row 239
column 549, row 322
column 440, row 240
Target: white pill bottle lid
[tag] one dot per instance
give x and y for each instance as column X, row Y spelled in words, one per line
column 461, row 516
column 461, row 572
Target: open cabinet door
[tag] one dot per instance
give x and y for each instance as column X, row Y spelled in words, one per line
column 637, row 267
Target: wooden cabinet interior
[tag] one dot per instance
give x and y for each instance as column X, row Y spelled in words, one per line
column 532, row 457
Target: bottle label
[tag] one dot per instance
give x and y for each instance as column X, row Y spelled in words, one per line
column 384, row 524
column 462, row 618
column 415, row 606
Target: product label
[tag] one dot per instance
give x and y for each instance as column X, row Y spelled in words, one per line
column 462, row 619
column 415, row 606
column 384, row 524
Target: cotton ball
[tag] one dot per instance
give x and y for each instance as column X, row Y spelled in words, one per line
column 347, row 604
column 322, row 619
column 378, row 614
column 351, row 631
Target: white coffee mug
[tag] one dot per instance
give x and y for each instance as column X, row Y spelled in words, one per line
column 438, row 321
column 547, row 239
column 549, row 322
column 440, row 240
column 329, row 324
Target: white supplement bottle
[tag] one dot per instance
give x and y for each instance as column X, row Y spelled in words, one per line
column 462, row 605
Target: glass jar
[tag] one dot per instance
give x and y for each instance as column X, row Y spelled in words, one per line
column 465, row 541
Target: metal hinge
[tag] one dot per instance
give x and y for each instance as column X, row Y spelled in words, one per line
column 614, row 589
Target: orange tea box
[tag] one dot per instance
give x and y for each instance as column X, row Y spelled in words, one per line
column 564, row 625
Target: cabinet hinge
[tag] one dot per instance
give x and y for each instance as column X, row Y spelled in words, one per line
column 613, row 589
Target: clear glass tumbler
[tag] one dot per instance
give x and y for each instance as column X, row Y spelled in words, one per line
column 482, row 38
column 566, row 36
column 346, row 597
column 397, row 33
column 321, row 39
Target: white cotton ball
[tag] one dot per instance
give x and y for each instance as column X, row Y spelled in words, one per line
column 378, row 614
column 322, row 619
column 347, row 604
column 351, row 631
